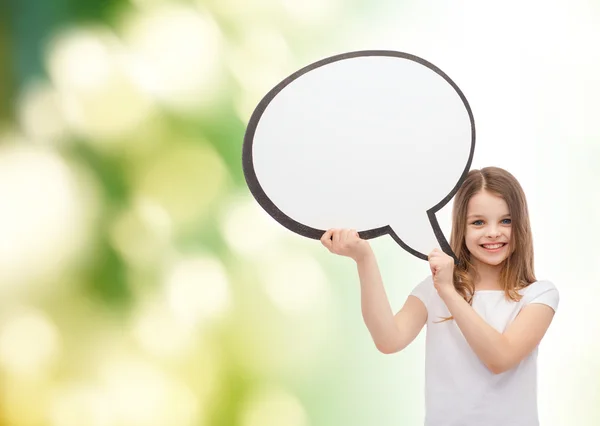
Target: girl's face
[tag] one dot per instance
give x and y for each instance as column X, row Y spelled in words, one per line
column 488, row 228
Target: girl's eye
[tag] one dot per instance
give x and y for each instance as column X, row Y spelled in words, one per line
column 478, row 222
column 506, row 221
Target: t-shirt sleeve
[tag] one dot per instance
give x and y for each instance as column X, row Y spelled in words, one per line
column 424, row 290
column 542, row 292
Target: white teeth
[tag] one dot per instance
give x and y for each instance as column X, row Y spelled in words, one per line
column 493, row 246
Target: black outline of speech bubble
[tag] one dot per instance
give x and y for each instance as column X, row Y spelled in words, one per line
column 306, row 231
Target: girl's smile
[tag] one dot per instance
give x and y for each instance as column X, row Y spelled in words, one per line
column 493, row 248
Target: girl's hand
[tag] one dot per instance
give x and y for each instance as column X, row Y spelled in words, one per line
column 442, row 270
column 345, row 242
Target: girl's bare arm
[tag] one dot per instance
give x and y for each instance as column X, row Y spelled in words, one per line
column 391, row 333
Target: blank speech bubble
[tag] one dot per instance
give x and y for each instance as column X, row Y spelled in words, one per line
column 376, row 141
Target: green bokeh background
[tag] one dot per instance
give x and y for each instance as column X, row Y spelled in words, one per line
column 140, row 283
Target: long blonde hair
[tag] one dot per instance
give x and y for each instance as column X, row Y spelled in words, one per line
column 517, row 270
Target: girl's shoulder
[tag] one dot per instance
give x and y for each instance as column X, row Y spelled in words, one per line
column 424, row 290
column 541, row 291
column 539, row 286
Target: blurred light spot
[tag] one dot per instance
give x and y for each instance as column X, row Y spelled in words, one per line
column 24, row 400
column 29, row 343
column 294, row 282
column 141, row 395
column 40, row 113
column 80, row 404
column 148, row 3
column 259, row 61
column 43, row 216
column 273, row 407
column 142, row 233
column 257, row 11
column 176, row 51
column 311, row 11
column 156, row 329
column 195, row 354
column 97, row 88
column 82, row 59
column 205, row 370
column 198, row 289
column 247, row 228
column 185, row 180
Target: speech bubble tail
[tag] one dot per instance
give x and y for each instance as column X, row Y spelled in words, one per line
column 420, row 235
column 441, row 238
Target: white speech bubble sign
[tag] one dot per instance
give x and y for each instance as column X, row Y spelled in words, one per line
column 376, row 141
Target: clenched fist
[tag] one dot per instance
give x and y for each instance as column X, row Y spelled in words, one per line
column 345, row 242
column 442, row 270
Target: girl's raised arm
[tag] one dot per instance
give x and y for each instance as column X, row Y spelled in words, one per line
column 391, row 333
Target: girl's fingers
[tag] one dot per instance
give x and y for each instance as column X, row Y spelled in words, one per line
column 336, row 236
column 327, row 235
column 439, row 254
column 433, row 264
column 434, row 253
column 326, row 239
column 342, row 236
column 335, row 239
column 348, row 235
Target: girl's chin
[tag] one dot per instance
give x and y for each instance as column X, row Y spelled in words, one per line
column 492, row 260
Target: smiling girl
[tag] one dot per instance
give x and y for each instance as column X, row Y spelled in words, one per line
column 485, row 316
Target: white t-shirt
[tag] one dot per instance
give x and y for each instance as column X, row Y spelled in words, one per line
column 459, row 388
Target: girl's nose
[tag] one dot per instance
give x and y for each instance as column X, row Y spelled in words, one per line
column 493, row 232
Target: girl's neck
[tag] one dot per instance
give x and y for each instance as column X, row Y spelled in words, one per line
column 487, row 277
